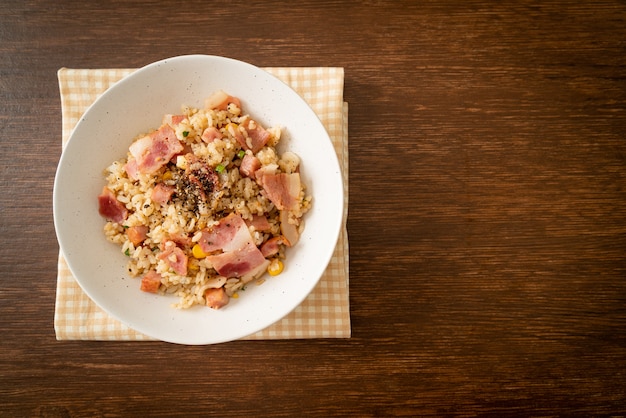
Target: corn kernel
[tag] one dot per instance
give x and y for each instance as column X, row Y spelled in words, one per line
column 167, row 175
column 275, row 267
column 232, row 128
column 235, row 295
column 197, row 251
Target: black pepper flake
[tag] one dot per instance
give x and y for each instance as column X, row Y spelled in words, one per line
column 196, row 185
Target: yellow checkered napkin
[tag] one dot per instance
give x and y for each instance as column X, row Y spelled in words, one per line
column 323, row 314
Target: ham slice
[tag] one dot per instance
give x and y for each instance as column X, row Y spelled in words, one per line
column 174, row 257
column 216, row 298
column 151, row 282
column 155, row 150
column 137, row 234
column 111, row 208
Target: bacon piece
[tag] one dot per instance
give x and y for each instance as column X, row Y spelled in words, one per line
column 173, row 120
column 180, row 240
column 243, row 262
column 137, row 234
column 256, row 272
column 155, row 150
column 111, row 208
column 131, row 169
column 265, row 170
column 240, row 256
column 198, row 184
column 220, row 101
column 174, row 257
column 203, row 179
column 259, row 222
column 162, row 193
column 271, row 246
column 282, row 189
column 216, row 298
column 228, row 234
column 210, row 134
column 234, row 130
column 249, row 164
column 257, row 135
column 151, row 282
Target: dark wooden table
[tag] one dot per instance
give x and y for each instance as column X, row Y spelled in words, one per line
column 487, row 211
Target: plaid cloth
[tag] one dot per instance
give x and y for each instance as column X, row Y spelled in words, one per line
column 323, row 314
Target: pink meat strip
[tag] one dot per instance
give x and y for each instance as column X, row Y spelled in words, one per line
column 111, row 208
column 282, row 189
column 155, row 150
column 174, row 257
column 240, row 256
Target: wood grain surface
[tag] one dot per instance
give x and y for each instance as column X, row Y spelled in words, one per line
column 487, row 216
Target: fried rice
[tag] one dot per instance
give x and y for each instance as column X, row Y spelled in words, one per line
column 207, row 182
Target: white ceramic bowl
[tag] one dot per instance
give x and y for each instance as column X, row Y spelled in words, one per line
column 137, row 104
